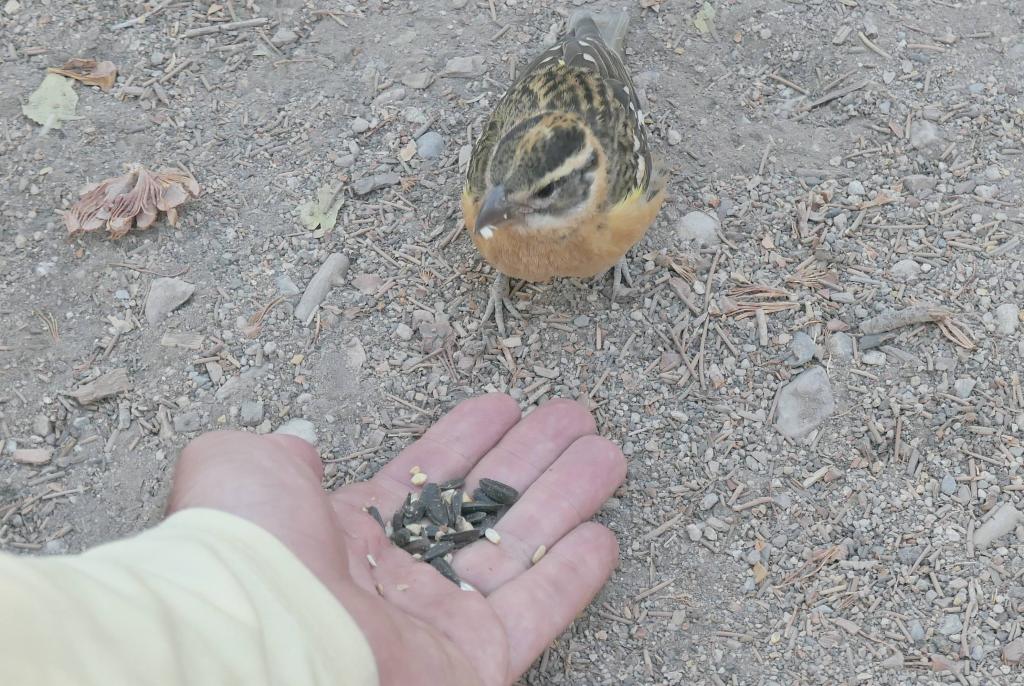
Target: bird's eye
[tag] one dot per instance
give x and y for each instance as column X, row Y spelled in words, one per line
column 546, row 191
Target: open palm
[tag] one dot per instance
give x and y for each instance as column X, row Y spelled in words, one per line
column 422, row 627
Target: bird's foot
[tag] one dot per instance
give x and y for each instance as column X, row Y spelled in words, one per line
column 622, row 280
column 498, row 303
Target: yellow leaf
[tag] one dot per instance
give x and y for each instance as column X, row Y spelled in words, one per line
column 53, row 103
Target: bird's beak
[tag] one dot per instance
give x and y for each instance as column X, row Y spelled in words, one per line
column 494, row 212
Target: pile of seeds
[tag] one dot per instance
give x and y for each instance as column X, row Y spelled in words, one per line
column 442, row 518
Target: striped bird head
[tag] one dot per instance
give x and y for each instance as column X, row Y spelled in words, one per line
column 547, row 172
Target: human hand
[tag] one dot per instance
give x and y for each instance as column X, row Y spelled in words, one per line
column 422, row 628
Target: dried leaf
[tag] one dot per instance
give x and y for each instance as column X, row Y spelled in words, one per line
column 704, row 20
column 322, row 212
column 53, row 103
column 88, row 71
column 136, row 198
column 760, row 572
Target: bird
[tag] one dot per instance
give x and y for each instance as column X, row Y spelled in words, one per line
column 562, row 181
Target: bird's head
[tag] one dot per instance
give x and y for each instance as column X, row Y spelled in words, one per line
column 546, row 173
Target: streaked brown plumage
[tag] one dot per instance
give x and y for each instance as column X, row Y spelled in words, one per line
column 561, row 181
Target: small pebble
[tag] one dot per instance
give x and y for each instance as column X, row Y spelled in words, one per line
column 418, row 479
column 948, row 485
column 1007, row 318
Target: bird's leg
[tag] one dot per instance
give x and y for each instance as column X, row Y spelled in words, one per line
column 499, row 302
column 621, row 278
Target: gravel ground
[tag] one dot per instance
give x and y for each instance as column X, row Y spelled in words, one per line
column 816, row 381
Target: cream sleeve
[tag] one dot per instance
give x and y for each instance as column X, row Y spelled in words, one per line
column 203, row 598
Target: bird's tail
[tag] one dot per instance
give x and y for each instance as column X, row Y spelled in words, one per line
column 611, row 27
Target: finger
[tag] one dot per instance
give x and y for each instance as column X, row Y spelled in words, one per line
column 450, row 448
column 538, row 605
column 564, row 496
column 534, row 444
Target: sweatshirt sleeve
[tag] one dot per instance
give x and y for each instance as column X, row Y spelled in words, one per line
column 203, row 598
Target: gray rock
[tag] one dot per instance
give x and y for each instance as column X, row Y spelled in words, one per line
column 801, row 350
column 964, row 386
column 948, row 485
column 285, row 285
column 708, row 501
column 404, row 331
column 1005, row 520
column 986, row 191
column 906, row 270
column 369, row 184
column 360, row 125
column 284, row 36
column 804, row 403
column 165, row 296
column 251, row 413
column 916, row 631
column 908, row 555
column 840, row 345
column 389, row 96
column 698, row 228
column 1013, row 652
column 875, row 358
column 870, row 25
column 924, row 135
column 430, row 145
column 693, row 532
column 464, row 66
column 951, row 624
column 41, row 425
column 917, row 183
column 1007, row 318
column 187, row 422
column 418, row 80
column 856, row 188
column 303, row 428
column 674, row 137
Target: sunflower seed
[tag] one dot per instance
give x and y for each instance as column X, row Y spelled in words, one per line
column 437, row 511
column 446, row 570
column 375, row 513
column 452, row 484
column 492, row 536
column 485, row 506
column 417, row 546
column 412, row 511
column 474, row 517
column 538, row 554
column 402, row 537
column 373, row 562
column 499, row 492
column 455, row 507
column 462, row 538
column 418, row 479
column 438, row 550
column 397, row 518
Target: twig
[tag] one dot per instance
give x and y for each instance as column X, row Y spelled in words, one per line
column 142, row 17
column 224, row 28
column 829, row 97
column 787, row 82
column 871, row 46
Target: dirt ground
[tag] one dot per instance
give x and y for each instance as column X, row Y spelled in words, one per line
column 852, row 158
